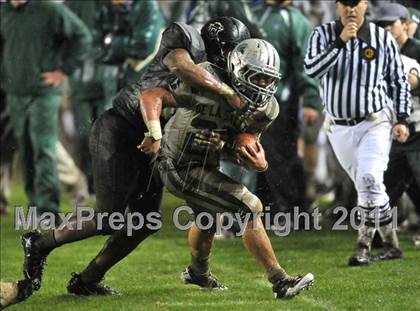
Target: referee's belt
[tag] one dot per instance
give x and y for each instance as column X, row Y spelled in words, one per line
column 348, row 122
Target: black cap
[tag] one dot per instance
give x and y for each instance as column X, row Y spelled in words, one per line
column 350, row 3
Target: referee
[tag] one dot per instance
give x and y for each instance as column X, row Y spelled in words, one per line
column 363, row 86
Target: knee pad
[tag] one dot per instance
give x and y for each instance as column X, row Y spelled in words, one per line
column 252, row 202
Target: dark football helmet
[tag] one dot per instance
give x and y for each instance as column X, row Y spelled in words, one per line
column 220, row 36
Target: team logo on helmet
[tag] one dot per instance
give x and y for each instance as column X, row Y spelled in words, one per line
column 214, row 29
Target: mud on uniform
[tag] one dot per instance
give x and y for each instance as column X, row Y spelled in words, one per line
column 122, row 174
column 193, row 173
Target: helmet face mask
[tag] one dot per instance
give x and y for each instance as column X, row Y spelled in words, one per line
column 254, row 66
column 220, row 36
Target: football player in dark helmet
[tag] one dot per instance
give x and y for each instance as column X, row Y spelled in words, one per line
column 122, row 174
column 220, row 36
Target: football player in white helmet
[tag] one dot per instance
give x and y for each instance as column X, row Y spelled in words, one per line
column 199, row 134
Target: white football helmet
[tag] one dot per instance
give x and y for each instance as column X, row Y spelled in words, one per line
column 250, row 61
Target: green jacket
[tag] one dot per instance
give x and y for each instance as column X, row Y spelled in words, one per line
column 87, row 81
column 128, row 31
column 39, row 36
column 289, row 30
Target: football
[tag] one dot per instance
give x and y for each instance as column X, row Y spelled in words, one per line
column 246, row 139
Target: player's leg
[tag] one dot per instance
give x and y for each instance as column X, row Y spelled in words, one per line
column 200, row 246
column 104, row 142
column 188, row 184
column 215, row 192
column 124, row 241
column 118, row 169
column 259, row 245
column 198, row 272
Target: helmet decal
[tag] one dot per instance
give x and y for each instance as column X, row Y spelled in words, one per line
column 220, row 36
column 214, row 29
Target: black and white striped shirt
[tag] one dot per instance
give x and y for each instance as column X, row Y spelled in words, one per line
column 359, row 77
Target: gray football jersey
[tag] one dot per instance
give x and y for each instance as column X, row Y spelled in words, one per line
column 205, row 110
column 176, row 36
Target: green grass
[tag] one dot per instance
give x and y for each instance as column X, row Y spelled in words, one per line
column 149, row 277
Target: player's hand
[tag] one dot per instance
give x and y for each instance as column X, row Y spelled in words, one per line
column 53, row 78
column 349, row 32
column 310, row 115
column 254, row 159
column 235, row 101
column 149, row 146
column 401, row 133
column 206, row 139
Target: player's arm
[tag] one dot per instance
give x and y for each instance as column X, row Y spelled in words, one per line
column 179, row 62
column 256, row 124
column 151, row 102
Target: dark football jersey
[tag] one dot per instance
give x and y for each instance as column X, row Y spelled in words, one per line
column 200, row 110
column 176, row 36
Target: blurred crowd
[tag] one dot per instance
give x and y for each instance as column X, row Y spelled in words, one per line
column 96, row 47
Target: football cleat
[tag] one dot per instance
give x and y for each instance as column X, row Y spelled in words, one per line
column 360, row 257
column 78, row 287
column 209, row 281
column 25, row 289
column 35, row 260
column 292, row 286
column 387, row 254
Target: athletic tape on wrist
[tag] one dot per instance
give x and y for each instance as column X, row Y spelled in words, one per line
column 264, row 169
column 154, row 129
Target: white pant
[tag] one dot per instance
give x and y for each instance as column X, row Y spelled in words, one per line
column 68, row 173
column 363, row 152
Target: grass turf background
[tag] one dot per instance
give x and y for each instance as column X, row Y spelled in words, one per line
column 149, row 277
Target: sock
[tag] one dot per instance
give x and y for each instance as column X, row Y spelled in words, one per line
column 277, row 274
column 200, row 265
column 92, row 273
column 46, row 242
column 389, row 236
